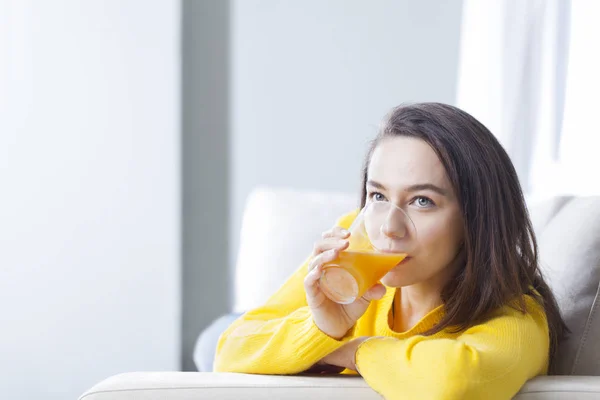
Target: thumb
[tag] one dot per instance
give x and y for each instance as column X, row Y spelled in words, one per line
column 375, row 293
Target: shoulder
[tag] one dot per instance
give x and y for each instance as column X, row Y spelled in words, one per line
column 534, row 311
column 346, row 220
column 533, row 315
column 511, row 327
column 511, row 323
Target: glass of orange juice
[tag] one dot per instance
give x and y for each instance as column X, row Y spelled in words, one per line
column 380, row 238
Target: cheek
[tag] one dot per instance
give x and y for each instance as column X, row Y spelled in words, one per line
column 439, row 238
column 438, row 242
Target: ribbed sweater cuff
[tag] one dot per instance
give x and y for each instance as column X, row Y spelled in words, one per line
column 312, row 343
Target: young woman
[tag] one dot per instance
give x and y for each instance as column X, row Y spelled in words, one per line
column 466, row 316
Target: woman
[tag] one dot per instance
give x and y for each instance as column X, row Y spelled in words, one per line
column 466, row 316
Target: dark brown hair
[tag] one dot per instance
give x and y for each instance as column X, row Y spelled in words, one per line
column 500, row 248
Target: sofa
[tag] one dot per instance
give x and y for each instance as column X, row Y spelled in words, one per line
column 568, row 232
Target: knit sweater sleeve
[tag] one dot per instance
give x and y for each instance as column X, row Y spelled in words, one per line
column 487, row 361
column 280, row 337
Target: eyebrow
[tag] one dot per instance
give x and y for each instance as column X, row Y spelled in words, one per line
column 414, row 188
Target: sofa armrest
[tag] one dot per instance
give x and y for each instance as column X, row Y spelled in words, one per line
column 561, row 387
column 225, row 386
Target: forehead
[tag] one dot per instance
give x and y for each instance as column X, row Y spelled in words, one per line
column 398, row 162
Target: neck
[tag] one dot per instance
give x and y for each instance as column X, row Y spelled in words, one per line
column 418, row 300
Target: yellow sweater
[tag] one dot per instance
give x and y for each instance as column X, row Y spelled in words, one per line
column 487, row 361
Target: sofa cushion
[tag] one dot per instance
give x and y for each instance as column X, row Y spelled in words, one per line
column 279, row 229
column 570, row 259
column 206, row 345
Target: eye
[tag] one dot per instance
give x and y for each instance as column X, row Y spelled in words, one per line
column 376, row 196
column 423, row 202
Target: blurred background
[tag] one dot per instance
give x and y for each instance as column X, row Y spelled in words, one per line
column 132, row 132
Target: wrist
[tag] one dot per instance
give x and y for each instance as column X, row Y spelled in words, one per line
column 335, row 335
column 356, row 345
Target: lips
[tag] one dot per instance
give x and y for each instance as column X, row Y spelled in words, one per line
column 391, row 251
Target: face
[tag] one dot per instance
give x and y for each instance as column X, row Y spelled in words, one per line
column 407, row 172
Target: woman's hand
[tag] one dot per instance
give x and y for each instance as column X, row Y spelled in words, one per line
column 345, row 356
column 332, row 318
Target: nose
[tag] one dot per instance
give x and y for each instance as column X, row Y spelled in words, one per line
column 394, row 226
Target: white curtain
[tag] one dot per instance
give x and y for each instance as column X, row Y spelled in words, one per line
column 512, row 77
column 579, row 157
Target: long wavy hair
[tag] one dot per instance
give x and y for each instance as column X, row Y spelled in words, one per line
column 500, row 245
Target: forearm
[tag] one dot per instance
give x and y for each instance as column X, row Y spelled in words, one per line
column 287, row 345
column 440, row 369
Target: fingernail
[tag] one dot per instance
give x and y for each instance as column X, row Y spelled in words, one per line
column 344, row 232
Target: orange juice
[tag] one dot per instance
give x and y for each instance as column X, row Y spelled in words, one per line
column 354, row 272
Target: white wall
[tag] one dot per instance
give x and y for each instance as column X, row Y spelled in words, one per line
column 89, row 172
column 312, row 79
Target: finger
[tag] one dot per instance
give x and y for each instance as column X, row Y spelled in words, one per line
column 375, row 293
column 336, row 231
column 328, row 244
column 323, row 258
column 311, row 286
column 314, row 294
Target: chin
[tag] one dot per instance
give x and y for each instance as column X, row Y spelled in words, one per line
column 397, row 278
